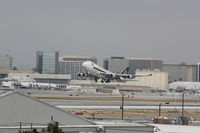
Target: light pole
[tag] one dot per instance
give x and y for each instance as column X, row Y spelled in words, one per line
column 160, row 109
column 183, row 104
column 122, row 107
column 93, row 116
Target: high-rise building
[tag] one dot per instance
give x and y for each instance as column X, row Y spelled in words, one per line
column 47, row 62
column 144, row 63
column 73, row 65
column 39, row 60
column 6, row 62
column 118, row 64
column 198, row 72
column 180, row 72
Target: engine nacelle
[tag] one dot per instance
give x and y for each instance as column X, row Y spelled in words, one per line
column 122, row 79
column 130, row 76
column 113, row 75
column 82, row 74
column 100, row 128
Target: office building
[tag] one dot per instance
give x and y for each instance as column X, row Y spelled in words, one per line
column 180, row 72
column 73, row 65
column 198, row 72
column 47, row 62
column 6, row 62
column 144, row 63
column 39, row 58
column 118, row 64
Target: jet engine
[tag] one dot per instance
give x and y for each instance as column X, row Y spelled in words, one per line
column 82, row 74
column 130, row 76
column 113, row 75
column 122, row 79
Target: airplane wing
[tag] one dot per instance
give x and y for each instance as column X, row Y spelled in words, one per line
column 124, row 76
column 88, row 75
column 133, row 75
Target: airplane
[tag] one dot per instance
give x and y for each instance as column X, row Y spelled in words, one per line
column 97, row 72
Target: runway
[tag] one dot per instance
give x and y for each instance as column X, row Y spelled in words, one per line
column 114, row 103
column 127, row 107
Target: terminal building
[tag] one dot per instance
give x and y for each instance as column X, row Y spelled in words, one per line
column 181, row 72
column 6, row 62
column 35, row 80
column 118, row 64
column 73, row 65
column 30, row 79
column 47, row 62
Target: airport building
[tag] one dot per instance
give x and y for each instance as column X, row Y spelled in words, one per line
column 73, row 65
column 118, row 64
column 4, row 72
column 47, row 62
column 35, row 80
column 6, row 62
column 158, row 80
column 181, row 72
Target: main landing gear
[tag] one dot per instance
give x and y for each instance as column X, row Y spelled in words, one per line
column 105, row 80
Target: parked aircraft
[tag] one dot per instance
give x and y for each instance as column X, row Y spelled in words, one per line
column 97, row 72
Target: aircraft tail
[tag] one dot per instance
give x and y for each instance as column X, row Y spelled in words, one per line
column 125, row 71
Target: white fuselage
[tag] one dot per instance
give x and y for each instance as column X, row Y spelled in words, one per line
column 95, row 70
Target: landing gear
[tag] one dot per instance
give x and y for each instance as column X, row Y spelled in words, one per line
column 105, row 80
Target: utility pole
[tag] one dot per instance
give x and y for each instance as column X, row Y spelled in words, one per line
column 183, row 104
column 122, row 107
column 93, row 116
column 160, row 109
column 20, row 126
column 31, row 126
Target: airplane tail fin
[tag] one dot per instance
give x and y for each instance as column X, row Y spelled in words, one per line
column 125, row 71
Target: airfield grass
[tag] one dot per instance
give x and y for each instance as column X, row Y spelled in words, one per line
column 134, row 113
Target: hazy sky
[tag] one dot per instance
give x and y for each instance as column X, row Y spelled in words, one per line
column 164, row 29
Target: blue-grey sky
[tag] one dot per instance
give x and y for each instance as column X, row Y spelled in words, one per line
column 164, row 29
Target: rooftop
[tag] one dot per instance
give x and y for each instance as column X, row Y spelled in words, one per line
column 178, row 64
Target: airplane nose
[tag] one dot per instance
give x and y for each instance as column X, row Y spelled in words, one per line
column 84, row 64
